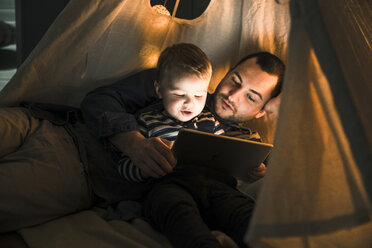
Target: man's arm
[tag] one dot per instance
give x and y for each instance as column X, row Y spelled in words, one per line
column 271, row 107
column 257, row 173
column 109, row 112
column 248, row 134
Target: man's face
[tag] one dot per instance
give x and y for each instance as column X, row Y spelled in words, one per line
column 243, row 92
column 183, row 97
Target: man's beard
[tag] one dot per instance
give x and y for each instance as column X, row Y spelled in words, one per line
column 232, row 112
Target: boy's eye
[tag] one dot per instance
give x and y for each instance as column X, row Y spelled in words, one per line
column 198, row 96
column 179, row 95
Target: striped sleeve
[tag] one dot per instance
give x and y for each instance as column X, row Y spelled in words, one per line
column 129, row 171
column 218, row 128
column 142, row 125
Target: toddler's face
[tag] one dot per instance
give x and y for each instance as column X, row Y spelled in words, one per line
column 183, row 97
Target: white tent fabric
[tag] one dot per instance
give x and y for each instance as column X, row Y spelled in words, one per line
column 313, row 195
column 316, row 192
column 94, row 42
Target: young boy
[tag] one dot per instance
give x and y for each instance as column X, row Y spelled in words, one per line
column 191, row 201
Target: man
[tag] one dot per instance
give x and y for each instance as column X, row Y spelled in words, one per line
column 72, row 165
column 249, row 90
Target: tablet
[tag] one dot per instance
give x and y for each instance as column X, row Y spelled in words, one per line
column 234, row 156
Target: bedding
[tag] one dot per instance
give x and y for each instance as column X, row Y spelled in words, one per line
column 89, row 229
column 61, row 210
column 33, row 147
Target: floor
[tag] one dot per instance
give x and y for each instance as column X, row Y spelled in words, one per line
column 7, row 53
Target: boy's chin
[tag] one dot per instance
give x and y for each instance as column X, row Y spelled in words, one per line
column 186, row 119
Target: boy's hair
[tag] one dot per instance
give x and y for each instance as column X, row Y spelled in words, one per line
column 271, row 64
column 183, row 59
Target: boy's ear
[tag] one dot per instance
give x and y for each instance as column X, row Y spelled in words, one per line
column 157, row 88
column 260, row 114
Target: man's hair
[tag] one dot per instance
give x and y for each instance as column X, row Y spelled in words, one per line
column 183, row 59
column 271, row 64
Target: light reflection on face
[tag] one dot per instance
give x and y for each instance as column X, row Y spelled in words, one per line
column 183, row 97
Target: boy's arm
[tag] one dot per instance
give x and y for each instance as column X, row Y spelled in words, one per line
column 151, row 156
column 129, row 171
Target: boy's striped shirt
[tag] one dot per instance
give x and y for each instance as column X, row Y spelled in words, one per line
column 157, row 123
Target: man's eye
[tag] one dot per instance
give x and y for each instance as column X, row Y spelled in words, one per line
column 236, row 82
column 250, row 98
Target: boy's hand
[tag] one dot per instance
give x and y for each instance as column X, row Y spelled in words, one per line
column 257, row 173
column 153, row 155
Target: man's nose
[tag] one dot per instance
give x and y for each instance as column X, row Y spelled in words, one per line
column 234, row 95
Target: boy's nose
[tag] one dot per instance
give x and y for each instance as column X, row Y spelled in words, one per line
column 188, row 102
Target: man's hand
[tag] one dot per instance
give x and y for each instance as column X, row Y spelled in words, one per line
column 153, row 155
column 273, row 105
column 257, row 173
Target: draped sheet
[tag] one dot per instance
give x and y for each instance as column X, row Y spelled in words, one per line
column 316, row 192
column 92, row 43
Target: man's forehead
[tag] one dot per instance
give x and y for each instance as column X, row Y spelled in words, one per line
column 248, row 71
column 247, row 64
column 254, row 78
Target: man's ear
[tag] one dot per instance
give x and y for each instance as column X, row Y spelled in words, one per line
column 260, row 114
column 157, row 88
